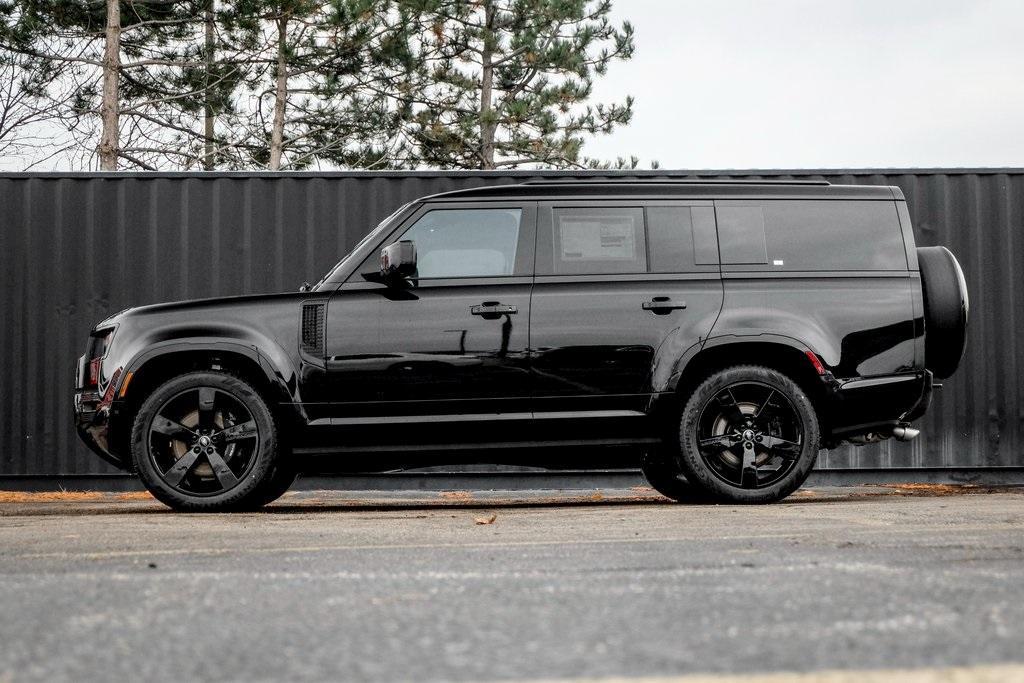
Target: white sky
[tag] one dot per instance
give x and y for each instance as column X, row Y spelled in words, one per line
column 820, row 84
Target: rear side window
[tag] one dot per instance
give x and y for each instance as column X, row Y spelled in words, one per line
column 809, row 235
column 598, row 241
column 741, row 235
column 681, row 238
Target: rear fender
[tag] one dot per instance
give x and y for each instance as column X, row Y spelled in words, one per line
column 724, row 340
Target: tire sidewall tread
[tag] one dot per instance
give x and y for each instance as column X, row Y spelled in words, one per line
column 251, row 491
column 697, row 472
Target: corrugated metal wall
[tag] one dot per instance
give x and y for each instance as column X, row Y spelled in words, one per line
column 74, row 248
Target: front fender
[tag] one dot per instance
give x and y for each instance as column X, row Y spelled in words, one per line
column 278, row 372
column 275, row 363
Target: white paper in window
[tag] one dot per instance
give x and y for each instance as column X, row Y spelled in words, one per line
column 607, row 239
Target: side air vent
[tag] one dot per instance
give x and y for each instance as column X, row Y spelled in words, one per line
column 313, row 329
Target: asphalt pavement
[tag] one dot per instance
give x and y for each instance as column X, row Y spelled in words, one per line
column 515, row 586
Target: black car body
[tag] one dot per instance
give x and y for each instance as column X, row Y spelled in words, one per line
column 513, row 319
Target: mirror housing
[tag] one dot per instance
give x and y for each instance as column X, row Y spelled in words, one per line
column 398, row 261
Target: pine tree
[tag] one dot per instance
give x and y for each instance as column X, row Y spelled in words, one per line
column 505, row 83
column 334, row 89
column 242, row 84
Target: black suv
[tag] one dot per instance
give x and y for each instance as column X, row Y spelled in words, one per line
column 719, row 332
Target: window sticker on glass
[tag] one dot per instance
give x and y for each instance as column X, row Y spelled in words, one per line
column 605, row 238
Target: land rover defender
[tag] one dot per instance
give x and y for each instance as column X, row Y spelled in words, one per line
column 719, row 333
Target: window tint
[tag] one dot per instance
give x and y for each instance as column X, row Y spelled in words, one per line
column 596, row 241
column 811, row 235
column 834, row 235
column 681, row 238
column 466, row 242
column 741, row 238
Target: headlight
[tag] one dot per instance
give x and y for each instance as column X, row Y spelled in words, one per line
column 99, row 342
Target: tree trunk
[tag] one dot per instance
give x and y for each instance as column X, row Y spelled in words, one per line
column 109, row 105
column 209, row 152
column 487, row 123
column 280, row 96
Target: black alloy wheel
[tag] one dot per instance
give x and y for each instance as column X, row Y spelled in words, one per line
column 207, row 441
column 203, row 441
column 748, row 434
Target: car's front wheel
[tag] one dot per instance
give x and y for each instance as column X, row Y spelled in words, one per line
column 206, row 441
column 748, row 434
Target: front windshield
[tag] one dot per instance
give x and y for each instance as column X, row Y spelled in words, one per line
column 369, row 237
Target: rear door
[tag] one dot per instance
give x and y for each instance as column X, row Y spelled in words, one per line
column 622, row 291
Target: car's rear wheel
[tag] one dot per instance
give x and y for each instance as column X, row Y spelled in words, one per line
column 206, row 441
column 748, row 434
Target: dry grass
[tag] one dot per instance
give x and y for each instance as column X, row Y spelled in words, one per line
column 69, row 496
column 938, row 489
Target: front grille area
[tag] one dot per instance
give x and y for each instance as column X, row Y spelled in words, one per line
column 313, row 329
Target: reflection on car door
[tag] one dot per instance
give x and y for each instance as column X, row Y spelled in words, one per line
column 449, row 346
column 622, row 291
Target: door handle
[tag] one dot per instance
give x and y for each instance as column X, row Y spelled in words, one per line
column 660, row 305
column 493, row 309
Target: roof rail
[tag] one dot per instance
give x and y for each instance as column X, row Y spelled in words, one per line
column 668, row 181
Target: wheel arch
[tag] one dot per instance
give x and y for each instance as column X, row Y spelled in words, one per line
column 156, row 365
column 784, row 354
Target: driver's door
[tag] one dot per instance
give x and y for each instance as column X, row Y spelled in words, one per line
column 449, row 345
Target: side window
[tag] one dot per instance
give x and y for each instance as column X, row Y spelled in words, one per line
column 681, row 238
column 466, row 242
column 741, row 237
column 834, row 235
column 598, row 241
column 811, row 235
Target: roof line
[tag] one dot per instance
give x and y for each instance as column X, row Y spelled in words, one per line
column 562, row 182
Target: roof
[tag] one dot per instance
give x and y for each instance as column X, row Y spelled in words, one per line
column 663, row 188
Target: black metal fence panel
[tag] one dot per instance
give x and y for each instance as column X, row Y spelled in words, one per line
column 76, row 247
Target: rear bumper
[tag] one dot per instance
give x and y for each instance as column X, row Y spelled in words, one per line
column 878, row 404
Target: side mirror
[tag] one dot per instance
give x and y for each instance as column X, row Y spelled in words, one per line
column 398, row 261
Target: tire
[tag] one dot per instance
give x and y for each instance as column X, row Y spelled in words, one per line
column 662, row 471
column 274, row 486
column 748, row 434
column 207, row 442
column 946, row 308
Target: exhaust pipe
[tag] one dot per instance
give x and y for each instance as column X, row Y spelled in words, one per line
column 905, row 433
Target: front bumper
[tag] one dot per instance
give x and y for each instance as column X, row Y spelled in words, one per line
column 92, row 422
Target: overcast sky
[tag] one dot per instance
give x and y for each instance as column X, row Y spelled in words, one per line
column 802, row 84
